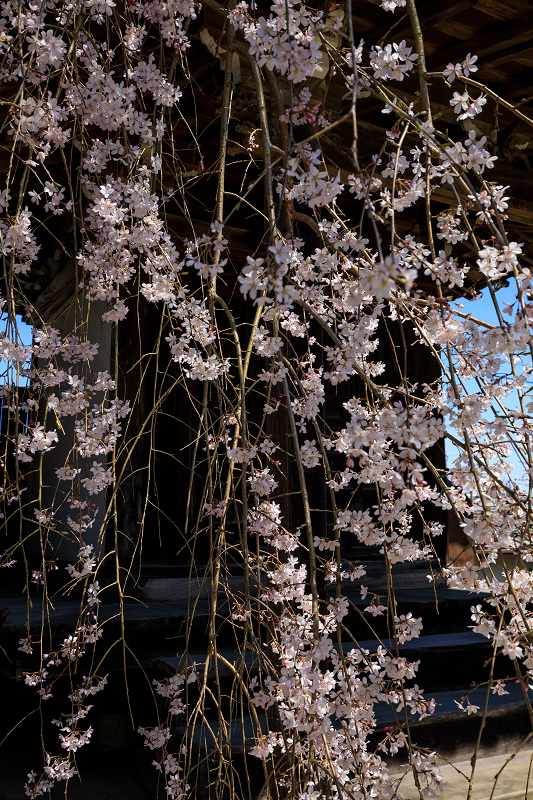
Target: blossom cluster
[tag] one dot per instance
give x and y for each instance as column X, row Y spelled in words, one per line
column 294, row 353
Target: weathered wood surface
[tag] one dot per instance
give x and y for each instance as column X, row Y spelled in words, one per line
column 163, row 590
column 239, row 735
column 459, row 551
column 57, row 296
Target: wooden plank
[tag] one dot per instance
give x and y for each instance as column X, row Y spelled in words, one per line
column 55, row 298
column 446, row 709
column 432, row 643
column 519, row 51
column 164, row 590
column 459, row 551
column 429, row 14
column 236, row 735
column 4, row 614
column 488, row 42
column 456, row 29
column 501, row 9
column 172, row 664
column 239, row 735
column 520, row 210
column 242, row 241
column 64, row 614
column 429, row 597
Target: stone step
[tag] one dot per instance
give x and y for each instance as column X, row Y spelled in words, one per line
column 441, row 609
column 228, row 664
column 438, row 644
column 64, row 611
column 239, row 735
column 148, row 624
column 447, row 709
column 515, row 778
column 433, row 643
column 164, row 590
column 63, row 614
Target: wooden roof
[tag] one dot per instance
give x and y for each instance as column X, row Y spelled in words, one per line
column 499, row 32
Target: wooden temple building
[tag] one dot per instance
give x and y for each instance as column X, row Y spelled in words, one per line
column 157, row 479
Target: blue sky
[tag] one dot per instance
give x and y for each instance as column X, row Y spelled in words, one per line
column 483, row 309
column 24, row 333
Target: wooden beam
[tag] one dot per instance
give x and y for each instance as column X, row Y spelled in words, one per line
column 487, row 42
column 512, row 53
column 520, row 209
column 501, row 9
column 241, row 241
column 54, row 300
column 429, row 14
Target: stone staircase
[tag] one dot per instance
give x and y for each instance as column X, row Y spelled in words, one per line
column 451, row 656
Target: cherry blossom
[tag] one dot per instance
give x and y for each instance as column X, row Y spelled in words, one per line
column 278, row 347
